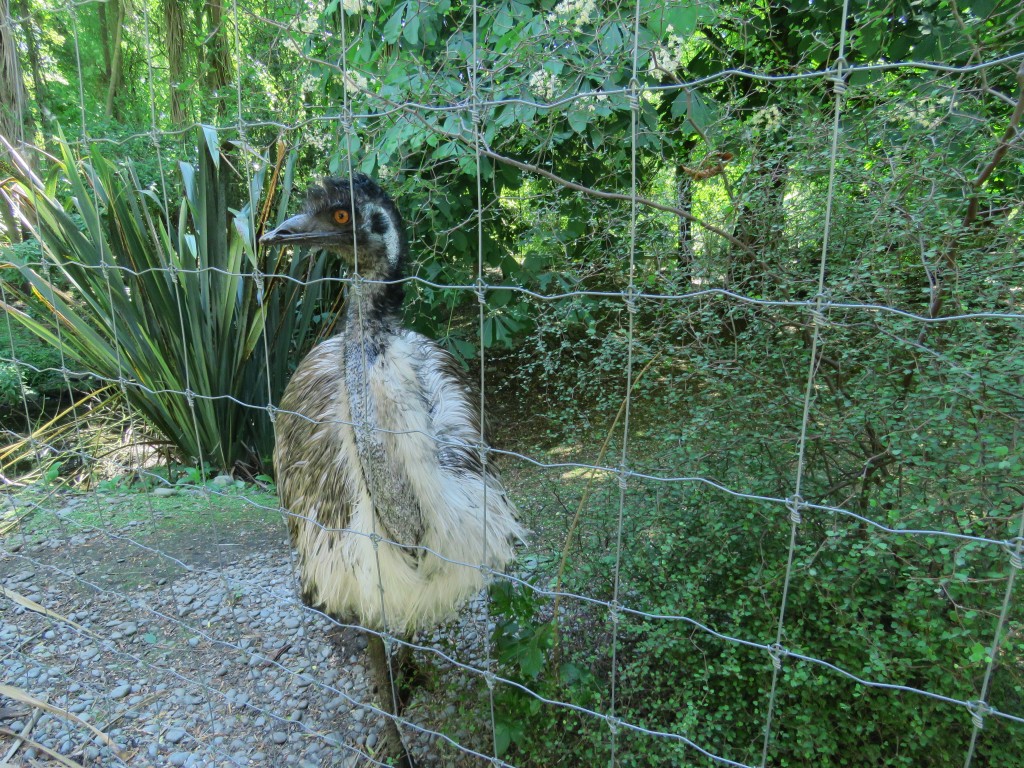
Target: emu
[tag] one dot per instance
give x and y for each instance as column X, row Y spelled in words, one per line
column 378, row 448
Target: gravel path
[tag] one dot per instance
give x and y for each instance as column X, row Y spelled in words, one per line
column 216, row 667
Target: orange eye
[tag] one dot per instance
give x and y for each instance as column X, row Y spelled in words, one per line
column 341, row 216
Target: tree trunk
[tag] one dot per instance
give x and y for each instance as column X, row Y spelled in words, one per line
column 115, row 58
column 14, row 115
column 218, row 56
column 101, row 14
column 174, row 25
column 15, row 120
column 39, row 96
column 761, row 218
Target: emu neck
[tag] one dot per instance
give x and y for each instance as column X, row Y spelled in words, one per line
column 371, row 326
column 371, row 313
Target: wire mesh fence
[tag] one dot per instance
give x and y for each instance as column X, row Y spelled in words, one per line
column 739, row 287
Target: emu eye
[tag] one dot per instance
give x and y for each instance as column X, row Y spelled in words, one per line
column 341, row 216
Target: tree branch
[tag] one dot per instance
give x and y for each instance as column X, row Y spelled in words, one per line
column 611, row 195
column 1009, row 136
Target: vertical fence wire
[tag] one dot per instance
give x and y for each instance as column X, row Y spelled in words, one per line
column 475, row 121
column 795, row 505
column 980, row 708
column 635, row 94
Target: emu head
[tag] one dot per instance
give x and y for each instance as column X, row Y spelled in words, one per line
column 353, row 218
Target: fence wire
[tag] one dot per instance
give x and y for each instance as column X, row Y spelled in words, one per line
column 573, row 269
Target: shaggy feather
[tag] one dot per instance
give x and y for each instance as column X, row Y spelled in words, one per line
column 378, row 436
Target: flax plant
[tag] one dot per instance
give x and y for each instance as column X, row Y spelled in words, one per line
column 178, row 308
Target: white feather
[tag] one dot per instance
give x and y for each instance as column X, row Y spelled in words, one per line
column 382, row 585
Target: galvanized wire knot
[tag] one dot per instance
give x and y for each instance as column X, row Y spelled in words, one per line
column 629, row 298
column 777, row 652
column 623, row 474
column 1015, row 546
column 257, row 276
column 978, row 710
column 481, row 290
column 818, row 309
column 634, row 94
column 614, row 612
column 839, row 79
column 489, row 678
column 190, row 396
column 375, row 539
column 794, row 505
column 272, row 413
column 613, row 724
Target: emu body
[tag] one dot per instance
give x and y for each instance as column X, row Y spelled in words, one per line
column 413, row 478
column 378, row 455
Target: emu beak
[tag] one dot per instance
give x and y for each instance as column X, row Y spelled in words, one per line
column 304, row 229
column 294, row 229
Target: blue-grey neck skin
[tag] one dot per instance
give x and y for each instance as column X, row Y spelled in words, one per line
column 372, row 322
column 394, row 501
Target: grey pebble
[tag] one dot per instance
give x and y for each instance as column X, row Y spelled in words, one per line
column 174, row 735
column 178, row 758
column 279, row 737
column 121, row 691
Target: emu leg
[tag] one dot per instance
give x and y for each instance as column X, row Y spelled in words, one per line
column 387, row 691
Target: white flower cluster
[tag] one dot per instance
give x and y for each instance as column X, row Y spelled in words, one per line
column 544, row 84
column 668, row 57
column 766, row 119
column 309, row 24
column 353, row 7
column 354, row 81
column 310, row 83
column 593, row 101
column 581, row 12
column 925, row 115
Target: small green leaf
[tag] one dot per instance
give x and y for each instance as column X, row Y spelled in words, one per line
column 411, row 30
column 578, row 120
column 212, row 144
column 393, row 29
